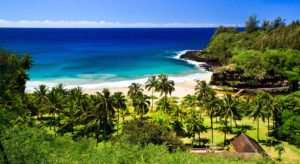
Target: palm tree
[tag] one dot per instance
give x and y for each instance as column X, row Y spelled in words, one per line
column 178, row 114
column 41, row 98
column 225, row 129
column 61, row 91
column 258, row 110
column 151, row 84
column 279, row 149
column 105, row 104
column 134, row 90
column 190, row 102
column 165, row 86
column 55, row 104
column 276, row 110
column 230, row 108
column 142, row 104
column 70, row 119
column 26, row 62
column 193, row 126
column 85, row 107
column 120, row 103
column 211, row 102
column 202, row 89
column 102, row 111
column 268, row 106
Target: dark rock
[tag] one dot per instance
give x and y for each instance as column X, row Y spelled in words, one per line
column 198, row 56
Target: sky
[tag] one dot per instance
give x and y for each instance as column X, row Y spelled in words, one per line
column 142, row 13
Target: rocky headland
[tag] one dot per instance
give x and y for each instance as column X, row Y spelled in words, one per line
column 228, row 76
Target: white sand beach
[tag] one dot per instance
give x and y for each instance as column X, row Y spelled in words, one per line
column 181, row 89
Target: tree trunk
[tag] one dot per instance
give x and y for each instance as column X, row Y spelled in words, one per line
column 54, row 124
column 200, row 114
column 258, row 129
column 97, row 134
column 212, row 130
column 152, row 100
column 224, row 139
column 193, row 140
column 142, row 115
column 118, row 123
column 235, row 122
column 123, row 119
column 51, row 122
column 59, row 119
column 199, row 138
column 166, row 101
column 268, row 126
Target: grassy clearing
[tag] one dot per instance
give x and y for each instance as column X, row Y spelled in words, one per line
column 291, row 154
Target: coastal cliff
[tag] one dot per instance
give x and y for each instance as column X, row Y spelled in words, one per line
column 268, row 59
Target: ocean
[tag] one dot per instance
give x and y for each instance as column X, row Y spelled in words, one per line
column 106, row 58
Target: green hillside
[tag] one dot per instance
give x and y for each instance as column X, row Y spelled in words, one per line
column 256, row 57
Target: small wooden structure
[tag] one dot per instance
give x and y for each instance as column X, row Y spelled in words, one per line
column 245, row 144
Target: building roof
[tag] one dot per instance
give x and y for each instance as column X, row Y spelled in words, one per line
column 245, row 144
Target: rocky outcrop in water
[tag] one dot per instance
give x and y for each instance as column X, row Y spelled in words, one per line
column 198, row 56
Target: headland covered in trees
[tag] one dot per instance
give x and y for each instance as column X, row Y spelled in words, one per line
column 59, row 125
column 265, row 56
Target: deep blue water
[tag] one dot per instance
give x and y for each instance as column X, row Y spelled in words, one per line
column 95, row 56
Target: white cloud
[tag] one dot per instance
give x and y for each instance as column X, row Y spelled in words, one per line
column 98, row 24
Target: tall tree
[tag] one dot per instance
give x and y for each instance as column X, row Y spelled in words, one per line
column 211, row 102
column 165, row 86
column 230, row 108
column 142, row 104
column 120, row 103
column 134, row 90
column 151, row 84
column 193, row 126
column 251, row 24
column 202, row 89
column 277, row 22
column 106, row 104
column 268, row 102
column 41, row 98
column 225, row 129
column 258, row 111
column 55, row 105
column 266, row 25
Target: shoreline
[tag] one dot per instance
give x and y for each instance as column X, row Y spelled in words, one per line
column 183, row 83
column 181, row 89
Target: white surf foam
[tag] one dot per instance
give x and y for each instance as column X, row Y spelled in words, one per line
column 195, row 63
column 90, row 84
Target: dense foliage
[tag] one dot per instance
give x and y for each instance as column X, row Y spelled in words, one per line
column 139, row 132
column 272, row 50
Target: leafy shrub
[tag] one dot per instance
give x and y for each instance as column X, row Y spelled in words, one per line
column 143, row 133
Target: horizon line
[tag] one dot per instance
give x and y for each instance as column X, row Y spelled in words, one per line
column 103, row 24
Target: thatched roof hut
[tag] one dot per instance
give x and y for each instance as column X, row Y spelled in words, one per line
column 245, row 144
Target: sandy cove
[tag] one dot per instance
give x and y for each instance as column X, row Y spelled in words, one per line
column 181, row 89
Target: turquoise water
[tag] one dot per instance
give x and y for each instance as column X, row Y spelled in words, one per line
column 98, row 58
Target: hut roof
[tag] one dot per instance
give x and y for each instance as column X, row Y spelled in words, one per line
column 245, row 144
